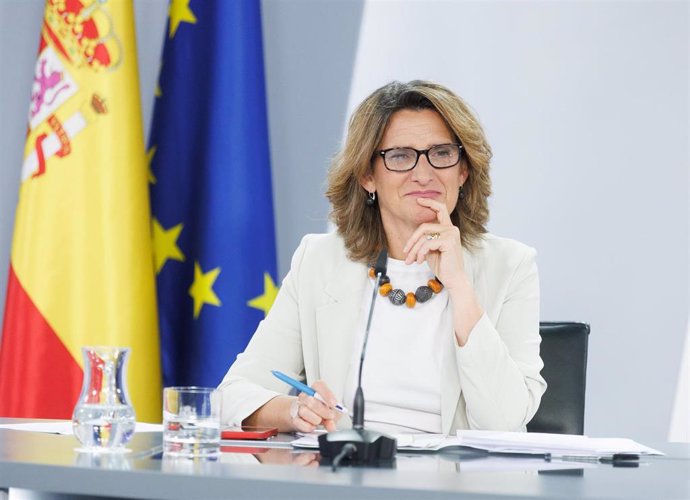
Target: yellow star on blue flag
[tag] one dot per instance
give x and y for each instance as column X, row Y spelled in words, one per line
column 179, row 12
column 264, row 301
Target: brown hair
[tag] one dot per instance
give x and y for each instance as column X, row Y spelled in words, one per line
column 361, row 226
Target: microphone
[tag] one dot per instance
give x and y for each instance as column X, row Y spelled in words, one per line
column 358, row 406
column 360, row 446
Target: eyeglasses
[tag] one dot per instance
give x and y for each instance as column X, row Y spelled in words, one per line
column 404, row 159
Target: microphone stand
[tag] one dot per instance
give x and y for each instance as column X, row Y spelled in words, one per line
column 359, row 446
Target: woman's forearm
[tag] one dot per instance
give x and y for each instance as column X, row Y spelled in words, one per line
column 466, row 311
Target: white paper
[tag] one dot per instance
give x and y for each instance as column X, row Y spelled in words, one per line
column 555, row 444
column 431, row 442
column 65, row 427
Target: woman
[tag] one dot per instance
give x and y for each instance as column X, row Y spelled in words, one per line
column 454, row 341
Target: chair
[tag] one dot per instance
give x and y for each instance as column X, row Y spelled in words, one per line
column 564, row 352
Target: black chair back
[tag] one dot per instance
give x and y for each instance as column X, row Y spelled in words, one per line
column 564, row 352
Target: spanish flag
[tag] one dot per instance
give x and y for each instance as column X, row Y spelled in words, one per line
column 82, row 269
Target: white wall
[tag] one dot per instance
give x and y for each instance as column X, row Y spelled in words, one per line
column 585, row 104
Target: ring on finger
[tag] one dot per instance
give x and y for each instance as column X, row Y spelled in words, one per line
column 433, row 236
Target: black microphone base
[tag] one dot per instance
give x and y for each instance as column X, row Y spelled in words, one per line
column 372, row 448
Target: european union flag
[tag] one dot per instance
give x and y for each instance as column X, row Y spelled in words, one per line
column 211, row 189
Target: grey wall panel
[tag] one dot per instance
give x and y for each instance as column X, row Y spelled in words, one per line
column 309, row 48
column 20, row 24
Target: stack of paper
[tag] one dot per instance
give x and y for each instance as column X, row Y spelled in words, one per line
column 554, row 444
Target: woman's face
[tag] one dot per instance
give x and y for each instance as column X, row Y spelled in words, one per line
column 397, row 192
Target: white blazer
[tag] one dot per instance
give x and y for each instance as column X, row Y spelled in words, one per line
column 492, row 382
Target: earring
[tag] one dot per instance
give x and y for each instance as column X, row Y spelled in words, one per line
column 371, row 199
column 462, row 193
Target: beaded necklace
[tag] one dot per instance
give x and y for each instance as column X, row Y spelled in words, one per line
column 398, row 297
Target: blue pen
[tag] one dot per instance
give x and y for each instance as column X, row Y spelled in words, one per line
column 304, row 388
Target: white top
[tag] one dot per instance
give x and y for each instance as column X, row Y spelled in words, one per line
column 401, row 378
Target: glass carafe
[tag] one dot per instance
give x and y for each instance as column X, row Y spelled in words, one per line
column 103, row 419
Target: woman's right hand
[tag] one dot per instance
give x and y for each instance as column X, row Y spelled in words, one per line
column 307, row 412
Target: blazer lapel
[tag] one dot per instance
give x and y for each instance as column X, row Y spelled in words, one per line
column 336, row 322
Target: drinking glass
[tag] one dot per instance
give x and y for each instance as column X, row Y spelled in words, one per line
column 191, row 422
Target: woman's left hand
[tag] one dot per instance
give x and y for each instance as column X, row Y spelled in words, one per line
column 439, row 244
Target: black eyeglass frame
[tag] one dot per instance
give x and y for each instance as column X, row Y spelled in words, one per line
column 420, row 152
